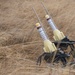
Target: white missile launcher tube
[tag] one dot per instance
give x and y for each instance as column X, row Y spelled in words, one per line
column 51, row 23
column 41, row 31
column 57, row 34
column 48, row 45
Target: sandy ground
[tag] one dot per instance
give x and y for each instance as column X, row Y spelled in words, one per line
column 20, row 43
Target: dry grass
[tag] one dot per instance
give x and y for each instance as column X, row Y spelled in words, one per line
column 20, row 43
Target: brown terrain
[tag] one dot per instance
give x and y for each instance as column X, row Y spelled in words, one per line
column 20, row 43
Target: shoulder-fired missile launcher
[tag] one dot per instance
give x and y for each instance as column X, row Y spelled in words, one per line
column 55, row 51
column 48, row 45
column 50, row 49
column 59, row 36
